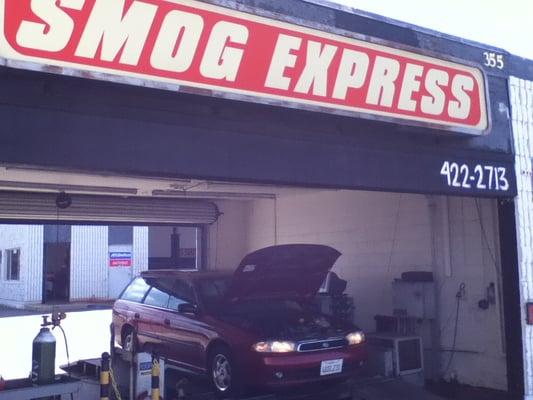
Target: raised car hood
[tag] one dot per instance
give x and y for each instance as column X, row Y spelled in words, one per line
column 282, row 271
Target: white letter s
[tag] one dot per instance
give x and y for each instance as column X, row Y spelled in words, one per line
column 55, row 33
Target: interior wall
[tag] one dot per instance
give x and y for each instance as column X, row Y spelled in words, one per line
column 479, row 357
column 226, row 238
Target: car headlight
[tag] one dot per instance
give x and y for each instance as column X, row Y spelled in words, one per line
column 354, row 338
column 275, row 346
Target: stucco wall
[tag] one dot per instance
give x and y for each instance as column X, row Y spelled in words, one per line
column 29, row 239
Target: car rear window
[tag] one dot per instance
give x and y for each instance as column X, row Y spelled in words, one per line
column 135, row 291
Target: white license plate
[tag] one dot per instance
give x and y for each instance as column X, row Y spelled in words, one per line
column 330, row 367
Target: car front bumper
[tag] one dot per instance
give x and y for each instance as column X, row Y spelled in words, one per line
column 284, row 371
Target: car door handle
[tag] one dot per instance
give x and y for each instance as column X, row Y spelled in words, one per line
column 137, row 316
column 167, row 321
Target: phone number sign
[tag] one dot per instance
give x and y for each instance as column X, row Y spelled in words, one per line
column 196, row 47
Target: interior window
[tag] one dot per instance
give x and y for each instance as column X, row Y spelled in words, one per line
column 157, row 298
column 175, row 247
column 13, row 264
column 135, row 291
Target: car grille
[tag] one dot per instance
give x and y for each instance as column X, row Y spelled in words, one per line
column 318, row 345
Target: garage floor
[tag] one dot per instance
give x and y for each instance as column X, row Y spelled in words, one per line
column 393, row 390
column 390, row 390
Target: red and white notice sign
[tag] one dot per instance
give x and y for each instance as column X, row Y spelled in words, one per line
column 190, row 45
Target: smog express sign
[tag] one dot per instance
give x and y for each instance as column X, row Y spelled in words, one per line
column 191, row 45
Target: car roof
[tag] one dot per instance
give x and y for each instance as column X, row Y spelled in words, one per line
column 189, row 275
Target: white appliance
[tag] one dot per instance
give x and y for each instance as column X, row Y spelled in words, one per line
column 407, row 352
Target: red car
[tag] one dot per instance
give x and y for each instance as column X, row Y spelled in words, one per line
column 255, row 327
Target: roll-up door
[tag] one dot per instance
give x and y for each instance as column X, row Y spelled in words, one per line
column 42, row 207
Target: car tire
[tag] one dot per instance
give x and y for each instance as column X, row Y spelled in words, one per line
column 223, row 373
column 129, row 341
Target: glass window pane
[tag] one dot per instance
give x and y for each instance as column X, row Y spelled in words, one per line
column 179, row 291
column 136, row 291
column 13, row 265
column 156, row 297
column 174, row 302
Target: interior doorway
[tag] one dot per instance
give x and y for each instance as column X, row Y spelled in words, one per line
column 56, row 263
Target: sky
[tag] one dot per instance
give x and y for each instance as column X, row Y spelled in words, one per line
column 507, row 24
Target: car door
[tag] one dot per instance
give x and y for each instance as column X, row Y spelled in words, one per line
column 185, row 333
column 132, row 309
column 153, row 322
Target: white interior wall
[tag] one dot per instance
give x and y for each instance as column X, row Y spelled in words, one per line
column 226, row 238
column 479, row 359
column 29, row 239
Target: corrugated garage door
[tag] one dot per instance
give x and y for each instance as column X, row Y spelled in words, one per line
column 42, row 207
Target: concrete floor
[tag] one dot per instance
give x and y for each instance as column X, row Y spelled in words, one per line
column 393, row 390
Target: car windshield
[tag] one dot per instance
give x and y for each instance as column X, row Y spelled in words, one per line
column 213, row 294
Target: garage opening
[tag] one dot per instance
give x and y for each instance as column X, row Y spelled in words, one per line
column 420, row 274
column 56, row 263
column 78, row 255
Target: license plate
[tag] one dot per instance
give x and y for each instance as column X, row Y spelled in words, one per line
column 330, row 367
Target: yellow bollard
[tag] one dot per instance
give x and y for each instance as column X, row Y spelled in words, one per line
column 156, row 370
column 104, row 377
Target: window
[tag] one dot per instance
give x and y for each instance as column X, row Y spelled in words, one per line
column 157, row 298
column 177, row 247
column 13, row 264
column 135, row 291
column 120, row 235
column 180, row 292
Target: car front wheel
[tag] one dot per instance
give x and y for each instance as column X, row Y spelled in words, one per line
column 223, row 373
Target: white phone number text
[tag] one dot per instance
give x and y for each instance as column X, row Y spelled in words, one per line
column 482, row 177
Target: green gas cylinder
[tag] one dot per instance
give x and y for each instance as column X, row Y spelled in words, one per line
column 43, row 356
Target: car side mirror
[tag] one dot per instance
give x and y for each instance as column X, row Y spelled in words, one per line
column 187, row 308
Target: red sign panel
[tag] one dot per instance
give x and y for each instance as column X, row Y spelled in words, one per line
column 191, row 45
column 120, row 259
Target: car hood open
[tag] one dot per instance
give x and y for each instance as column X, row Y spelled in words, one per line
column 282, row 271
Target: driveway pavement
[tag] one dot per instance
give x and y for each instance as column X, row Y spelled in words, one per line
column 87, row 336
